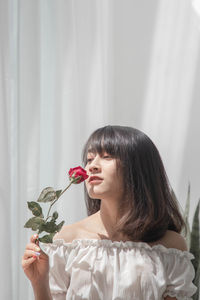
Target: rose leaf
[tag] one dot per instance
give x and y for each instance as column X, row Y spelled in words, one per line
column 47, row 195
column 48, row 238
column 34, row 223
column 59, row 226
column 55, row 216
column 49, row 227
column 58, row 193
column 35, row 208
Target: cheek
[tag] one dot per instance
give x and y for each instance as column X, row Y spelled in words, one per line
column 86, row 168
column 114, row 172
column 86, row 184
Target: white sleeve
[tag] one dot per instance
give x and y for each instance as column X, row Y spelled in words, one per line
column 59, row 279
column 180, row 274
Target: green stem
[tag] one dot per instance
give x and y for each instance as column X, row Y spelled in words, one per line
column 66, row 188
column 57, row 199
column 47, row 218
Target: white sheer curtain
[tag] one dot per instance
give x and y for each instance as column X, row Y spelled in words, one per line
column 196, row 5
column 170, row 93
column 70, row 66
column 5, row 175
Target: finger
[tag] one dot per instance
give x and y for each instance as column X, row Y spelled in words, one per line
column 34, row 238
column 30, row 253
column 26, row 263
column 33, row 247
column 36, row 249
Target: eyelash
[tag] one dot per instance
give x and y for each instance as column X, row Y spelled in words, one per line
column 90, row 159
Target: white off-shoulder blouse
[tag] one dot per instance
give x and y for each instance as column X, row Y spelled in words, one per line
column 93, row 269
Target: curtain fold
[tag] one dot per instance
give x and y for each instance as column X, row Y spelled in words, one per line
column 64, row 84
column 169, row 94
column 8, row 150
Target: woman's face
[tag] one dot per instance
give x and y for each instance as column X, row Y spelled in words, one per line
column 104, row 180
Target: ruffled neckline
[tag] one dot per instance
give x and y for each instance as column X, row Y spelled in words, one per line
column 106, row 243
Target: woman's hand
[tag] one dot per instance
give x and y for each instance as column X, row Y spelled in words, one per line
column 35, row 263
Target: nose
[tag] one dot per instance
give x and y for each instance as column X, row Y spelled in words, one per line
column 95, row 165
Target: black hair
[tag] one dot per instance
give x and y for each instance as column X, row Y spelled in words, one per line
column 149, row 207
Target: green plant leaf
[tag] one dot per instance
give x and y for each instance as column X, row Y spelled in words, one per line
column 35, row 208
column 197, row 283
column 187, row 205
column 50, row 227
column 48, row 238
column 55, row 215
column 47, row 195
column 186, row 217
column 195, row 238
column 188, row 234
column 34, row 223
column 59, row 226
column 58, row 193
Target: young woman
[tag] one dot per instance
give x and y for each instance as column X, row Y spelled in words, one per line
column 130, row 246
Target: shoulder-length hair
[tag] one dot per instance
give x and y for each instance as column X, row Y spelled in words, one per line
column 149, row 207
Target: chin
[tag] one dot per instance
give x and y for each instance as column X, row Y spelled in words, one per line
column 97, row 192
column 94, row 195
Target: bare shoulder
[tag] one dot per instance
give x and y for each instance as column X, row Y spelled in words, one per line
column 175, row 240
column 78, row 230
column 68, row 233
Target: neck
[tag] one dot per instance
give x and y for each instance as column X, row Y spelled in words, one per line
column 107, row 217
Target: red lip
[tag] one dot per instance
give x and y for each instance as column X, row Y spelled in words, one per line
column 94, row 178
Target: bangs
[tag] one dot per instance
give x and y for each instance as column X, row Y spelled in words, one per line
column 102, row 140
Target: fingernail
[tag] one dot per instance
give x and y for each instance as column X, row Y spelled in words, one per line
column 35, row 235
column 37, row 248
column 37, row 254
column 34, row 256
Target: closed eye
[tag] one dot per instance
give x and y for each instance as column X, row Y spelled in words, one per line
column 107, row 156
column 88, row 160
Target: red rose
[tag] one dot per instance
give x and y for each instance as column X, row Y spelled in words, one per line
column 78, row 173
